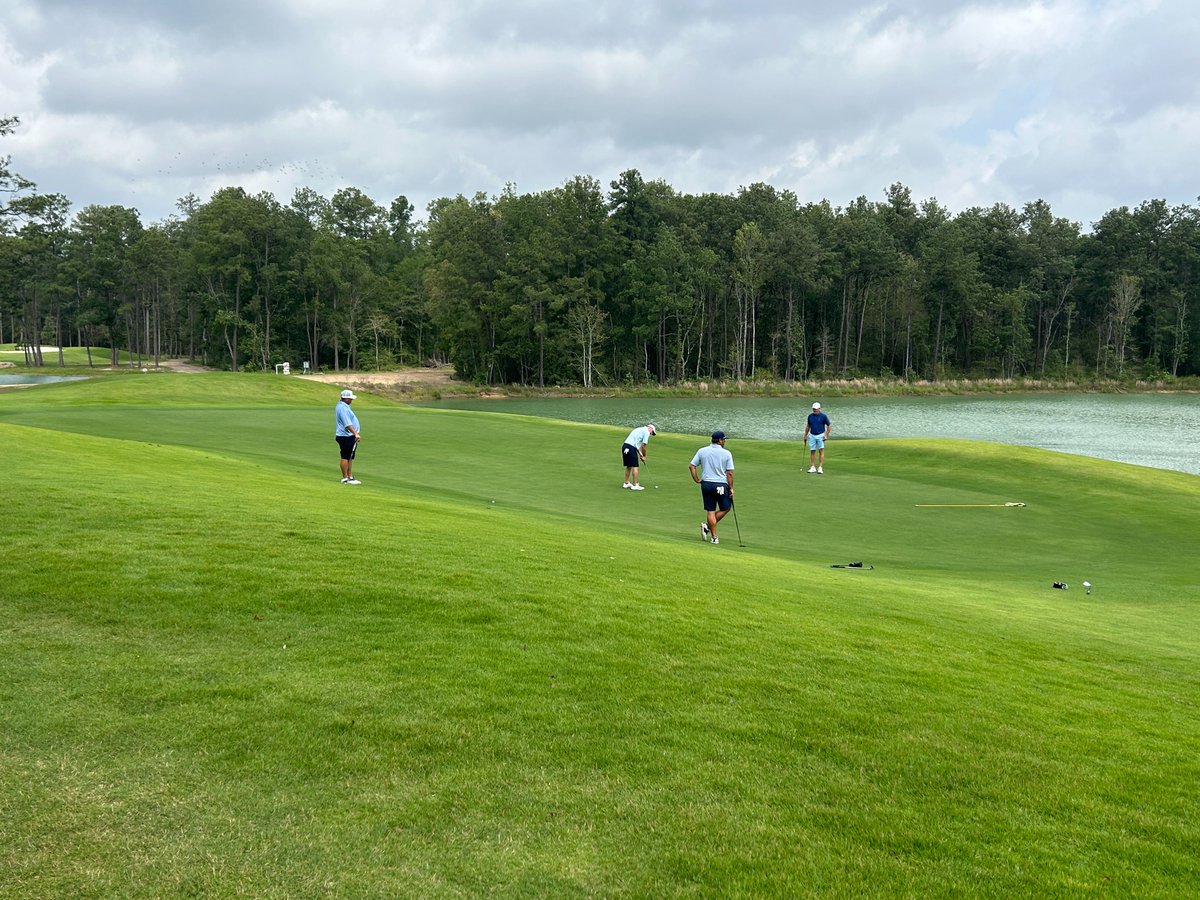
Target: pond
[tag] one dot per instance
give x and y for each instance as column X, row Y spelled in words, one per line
column 1158, row 430
column 22, row 380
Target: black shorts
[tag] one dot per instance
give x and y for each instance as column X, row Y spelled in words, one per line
column 630, row 456
column 348, row 444
column 716, row 495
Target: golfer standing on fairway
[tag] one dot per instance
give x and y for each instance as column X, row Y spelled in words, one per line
column 633, row 454
column 816, row 430
column 712, row 469
column 347, row 435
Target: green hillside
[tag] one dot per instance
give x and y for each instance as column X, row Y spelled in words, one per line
column 489, row 670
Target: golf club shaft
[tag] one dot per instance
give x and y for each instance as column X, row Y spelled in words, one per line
column 736, row 525
column 967, row 505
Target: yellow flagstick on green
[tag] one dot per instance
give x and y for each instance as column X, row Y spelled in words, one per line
column 970, row 505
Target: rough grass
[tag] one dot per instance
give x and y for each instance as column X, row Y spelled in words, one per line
column 223, row 673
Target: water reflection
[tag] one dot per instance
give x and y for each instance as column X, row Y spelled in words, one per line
column 9, row 380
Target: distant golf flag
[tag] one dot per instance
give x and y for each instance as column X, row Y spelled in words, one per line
column 970, row 505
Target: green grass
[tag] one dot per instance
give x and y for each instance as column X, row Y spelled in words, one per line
column 223, row 673
column 72, row 358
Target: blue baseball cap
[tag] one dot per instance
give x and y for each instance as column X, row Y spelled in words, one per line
column 718, row 436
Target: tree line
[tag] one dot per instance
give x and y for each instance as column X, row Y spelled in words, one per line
column 578, row 285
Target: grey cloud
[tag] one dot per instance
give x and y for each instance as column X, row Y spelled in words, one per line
column 430, row 98
column 213, row 90
column 216, row 21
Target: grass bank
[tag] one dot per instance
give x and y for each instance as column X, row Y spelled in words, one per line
column 828, row 387
column 490, row 670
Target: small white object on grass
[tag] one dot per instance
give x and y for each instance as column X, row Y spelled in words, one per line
column 1088, row 585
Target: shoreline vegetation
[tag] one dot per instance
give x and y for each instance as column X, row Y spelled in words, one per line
column 418, row 390
column 429, row 384
column 423, row 383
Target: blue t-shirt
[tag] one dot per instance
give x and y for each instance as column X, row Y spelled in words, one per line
column 713, row 461
column 817, row 423
column 343, row 418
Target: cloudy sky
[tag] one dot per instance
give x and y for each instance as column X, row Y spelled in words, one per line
column 1088, row 104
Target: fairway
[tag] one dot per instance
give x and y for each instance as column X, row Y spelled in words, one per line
column 488, row 670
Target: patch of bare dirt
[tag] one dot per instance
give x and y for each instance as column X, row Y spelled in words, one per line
column 431, row 376
column 181, row 365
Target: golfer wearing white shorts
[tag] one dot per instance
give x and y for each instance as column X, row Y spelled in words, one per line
column 816, row 430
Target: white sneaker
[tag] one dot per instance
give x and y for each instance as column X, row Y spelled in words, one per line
column 820, row 470
column 705, row 534
column 811, row 469
column 353, row 481
column 345, row 481
column 627, row 485
column 714, row 541
column 636, row 487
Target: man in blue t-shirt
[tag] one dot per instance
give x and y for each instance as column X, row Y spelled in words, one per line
column 712, row 469
column 347, row 435
column 816, row 432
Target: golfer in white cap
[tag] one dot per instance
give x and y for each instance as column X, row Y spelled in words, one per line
column 816, row 431
column 347, row 435
column 633, row 454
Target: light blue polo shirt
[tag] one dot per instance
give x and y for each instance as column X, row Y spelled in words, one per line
column 344, row 417
column 713, row 461
column 637, row 437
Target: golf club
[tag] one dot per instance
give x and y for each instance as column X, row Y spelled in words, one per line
column 733, row 506
column 853, row 565
column 1012, row 503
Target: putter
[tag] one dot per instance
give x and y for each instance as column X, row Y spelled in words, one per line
column 733, row 506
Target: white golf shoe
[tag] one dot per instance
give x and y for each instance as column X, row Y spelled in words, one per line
column 714, row 541
column 353, row 481
column 705, row 534
column 627, row 485
column 811, row 469
column 636, row 487
column 820, row 470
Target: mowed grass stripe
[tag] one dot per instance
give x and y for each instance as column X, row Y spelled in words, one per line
column 542, row 699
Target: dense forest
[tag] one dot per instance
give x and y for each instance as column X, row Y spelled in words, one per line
column 576, row 285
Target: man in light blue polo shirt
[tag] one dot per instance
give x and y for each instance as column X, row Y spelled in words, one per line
column 633, row 454
column 712, row 469
column 347, row 435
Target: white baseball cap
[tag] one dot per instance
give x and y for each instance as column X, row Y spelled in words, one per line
column 816, row 406
column 653, row 430
column 349, row 395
